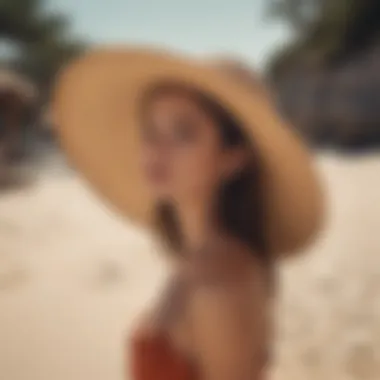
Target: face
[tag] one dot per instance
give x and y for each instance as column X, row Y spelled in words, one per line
column 183, row 157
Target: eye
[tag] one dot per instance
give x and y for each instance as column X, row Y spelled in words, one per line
column 184, row 131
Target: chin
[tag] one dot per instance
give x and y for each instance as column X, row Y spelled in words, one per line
column 162, row 197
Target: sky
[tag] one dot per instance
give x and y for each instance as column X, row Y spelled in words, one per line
column 203, row 27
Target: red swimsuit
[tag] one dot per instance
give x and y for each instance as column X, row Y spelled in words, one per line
column 153, row 358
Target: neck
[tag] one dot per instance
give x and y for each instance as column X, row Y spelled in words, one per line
column 197, row 224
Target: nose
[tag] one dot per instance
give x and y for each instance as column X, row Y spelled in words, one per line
column 160, row 151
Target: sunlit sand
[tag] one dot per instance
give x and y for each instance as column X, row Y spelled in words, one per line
column 73, row 277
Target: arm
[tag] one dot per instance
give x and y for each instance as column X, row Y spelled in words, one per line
column 230, row 324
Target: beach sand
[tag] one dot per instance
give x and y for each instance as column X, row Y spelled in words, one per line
column 73, row 277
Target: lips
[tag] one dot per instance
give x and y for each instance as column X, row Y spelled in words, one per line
column 157, row 174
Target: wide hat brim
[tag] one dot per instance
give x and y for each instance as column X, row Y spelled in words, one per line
column 95, row 110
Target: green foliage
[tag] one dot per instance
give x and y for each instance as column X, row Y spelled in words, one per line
column 325, row 30
column 44, row 39
column 299, row 14
column 334, row 34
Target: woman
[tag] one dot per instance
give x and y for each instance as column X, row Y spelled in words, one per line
column 197, row 153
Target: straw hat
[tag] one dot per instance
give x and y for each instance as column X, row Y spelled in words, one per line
column 95, row 111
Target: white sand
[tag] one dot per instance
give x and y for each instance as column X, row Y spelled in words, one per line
column 73, row 277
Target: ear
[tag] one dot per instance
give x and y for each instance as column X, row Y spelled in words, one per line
column 234, row 162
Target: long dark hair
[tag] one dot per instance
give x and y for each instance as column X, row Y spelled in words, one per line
column 240, row 209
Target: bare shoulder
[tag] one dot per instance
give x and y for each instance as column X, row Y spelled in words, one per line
column 231, row 314
column 231, row 281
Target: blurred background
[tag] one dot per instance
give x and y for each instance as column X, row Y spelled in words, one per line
column 73, row 276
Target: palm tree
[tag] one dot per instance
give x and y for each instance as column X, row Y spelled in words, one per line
column 325, row 30
column 327, row 77
column 43, row 39
column 43, row 43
